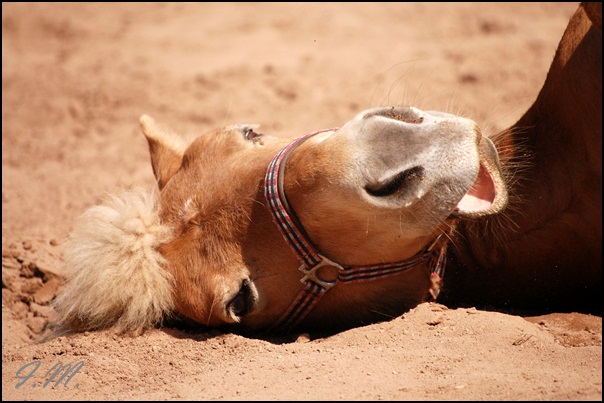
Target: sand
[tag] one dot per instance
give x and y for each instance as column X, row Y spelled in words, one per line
column 76, row 78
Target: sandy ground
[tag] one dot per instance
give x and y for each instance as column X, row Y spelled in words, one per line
column 75, row 79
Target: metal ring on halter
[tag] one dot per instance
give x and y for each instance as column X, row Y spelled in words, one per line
column 313, row 273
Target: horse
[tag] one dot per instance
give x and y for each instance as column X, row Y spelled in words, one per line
column 347, row 226
column 259, row 232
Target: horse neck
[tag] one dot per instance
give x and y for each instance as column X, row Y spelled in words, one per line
column 562, row 131
column 569, row 105
column 553, row 154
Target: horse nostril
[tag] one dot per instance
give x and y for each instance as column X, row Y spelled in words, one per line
column 407, row 118
column 395, row 183
column 243, row 303
column 404, row 114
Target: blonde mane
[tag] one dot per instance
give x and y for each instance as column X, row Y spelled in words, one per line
column 115, row 274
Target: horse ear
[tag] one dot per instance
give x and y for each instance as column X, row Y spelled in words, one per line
column 166, row 149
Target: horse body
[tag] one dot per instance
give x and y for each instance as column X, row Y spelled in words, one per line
column 544, row 251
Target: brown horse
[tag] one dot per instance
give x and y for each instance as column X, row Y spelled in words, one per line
column 544, row 251
column 358, row 209
column 349, row 226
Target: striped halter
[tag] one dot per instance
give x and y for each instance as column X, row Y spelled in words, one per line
column 321, row 274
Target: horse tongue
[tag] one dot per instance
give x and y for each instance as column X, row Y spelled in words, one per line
column 479, row 198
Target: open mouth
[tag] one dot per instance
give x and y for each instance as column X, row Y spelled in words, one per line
column 479, row 198
column 488, row 194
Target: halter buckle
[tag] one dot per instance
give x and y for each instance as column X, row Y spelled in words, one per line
column 321, row 277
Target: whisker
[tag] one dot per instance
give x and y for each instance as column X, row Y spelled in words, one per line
column 227, row 113
column 210, row 312
column 383, row 78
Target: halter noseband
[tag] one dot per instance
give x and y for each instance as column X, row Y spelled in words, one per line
column 317, row 279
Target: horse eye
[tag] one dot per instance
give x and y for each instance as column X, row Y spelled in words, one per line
column 250, row 134
column 240, row 305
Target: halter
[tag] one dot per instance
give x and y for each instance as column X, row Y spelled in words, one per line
column 318, row 271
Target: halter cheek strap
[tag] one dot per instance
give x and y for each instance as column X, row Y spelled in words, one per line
column 320, row 274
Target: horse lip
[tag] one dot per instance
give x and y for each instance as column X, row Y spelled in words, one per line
column 479, row 198
column 488, row 194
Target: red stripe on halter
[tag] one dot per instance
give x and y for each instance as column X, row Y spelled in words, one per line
column 312, row 261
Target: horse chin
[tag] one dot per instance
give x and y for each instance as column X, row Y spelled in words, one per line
column 488, row 194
